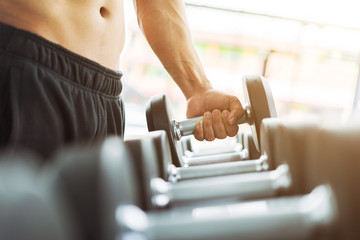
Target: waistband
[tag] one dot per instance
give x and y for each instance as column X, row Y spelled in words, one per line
column 70, row 65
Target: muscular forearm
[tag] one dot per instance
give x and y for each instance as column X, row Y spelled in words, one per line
column 165, row 28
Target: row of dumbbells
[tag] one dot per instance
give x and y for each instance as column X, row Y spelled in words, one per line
column 112, row 191
column 302, row 184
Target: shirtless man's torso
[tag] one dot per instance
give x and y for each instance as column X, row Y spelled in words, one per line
column 63, row 84
column 91, row 28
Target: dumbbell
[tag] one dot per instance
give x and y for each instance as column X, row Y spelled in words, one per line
column 101, row 189
column 98, row 185
column 91, row 182
column 189, row 151
column 169, row 172
column 162, row 193
column 249, row 144
column 27, row 210
column 228, row 153
column 309, row 216
column 244, row 142
column 298, row 144
column 74, row 198
column 320, row 154
column 259, row 105
column 102, row 175
column 287, row 141
column 213, row 157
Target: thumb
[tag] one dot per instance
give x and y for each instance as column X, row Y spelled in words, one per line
column 236, row 110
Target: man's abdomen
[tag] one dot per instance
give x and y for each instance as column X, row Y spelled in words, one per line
column 91, row 28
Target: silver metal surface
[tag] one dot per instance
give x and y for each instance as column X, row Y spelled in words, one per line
column 218, row 158
column 283, row 218
column 217, row 150
column 187, row 127
column 173, row 173
column 218, row 169
column 242, row 186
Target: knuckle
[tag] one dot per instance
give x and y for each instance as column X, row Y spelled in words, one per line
column 235, row 99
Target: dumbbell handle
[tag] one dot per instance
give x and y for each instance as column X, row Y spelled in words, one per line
column 218, row 169
column 187, row 127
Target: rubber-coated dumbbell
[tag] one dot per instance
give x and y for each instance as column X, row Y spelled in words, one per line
column 169, row 172
column 161, row 193
column 312, row 211
column 320, row 154
column 288, row 142
column 304, row 217
column 107, row 180
column 28, row 211
column 189, row 151
column 99, row 192
column 259, row 105
column 101, row 188
column 249, row 144
column 248, row 152
column 244, row 142
column 228, row 156
column 91, row 182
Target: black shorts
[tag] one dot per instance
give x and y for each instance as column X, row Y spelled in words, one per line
column 51, row 97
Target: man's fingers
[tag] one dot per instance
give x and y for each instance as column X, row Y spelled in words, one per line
column 199, row 133
column 231, row 129
column 236, row 110
column 218, row 125
column 207, row 127
column 217, row 122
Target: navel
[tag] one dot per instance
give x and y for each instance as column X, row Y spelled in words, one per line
column 104, row 12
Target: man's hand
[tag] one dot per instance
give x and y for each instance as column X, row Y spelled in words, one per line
column 165, row 27
column 220, row 111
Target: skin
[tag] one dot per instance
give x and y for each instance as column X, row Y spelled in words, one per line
column 95, row 30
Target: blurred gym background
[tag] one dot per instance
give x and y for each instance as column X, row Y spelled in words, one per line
column 308, row 50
